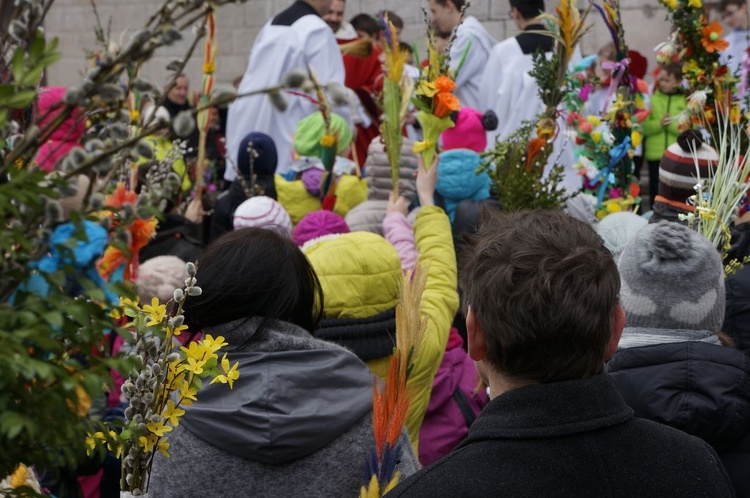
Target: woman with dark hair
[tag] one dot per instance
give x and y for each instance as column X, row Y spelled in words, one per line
column 298, row 420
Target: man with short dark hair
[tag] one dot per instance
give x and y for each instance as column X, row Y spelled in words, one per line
column 472, row 39
column 542, row 315
column 734, row 14
column 335, row 19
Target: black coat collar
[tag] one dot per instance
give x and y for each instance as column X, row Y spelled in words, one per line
column 297, row 11
column 551, row 410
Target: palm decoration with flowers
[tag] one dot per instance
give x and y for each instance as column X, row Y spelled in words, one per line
column 433, row 96
column 607, row 141
column 168, row 378
column 697, row 45
column 397, row 91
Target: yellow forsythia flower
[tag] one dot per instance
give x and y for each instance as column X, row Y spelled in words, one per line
column 172, row 413
column 156, row 311
column 212, row 344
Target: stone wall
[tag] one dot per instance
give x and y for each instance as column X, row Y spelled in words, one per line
column 73, row 21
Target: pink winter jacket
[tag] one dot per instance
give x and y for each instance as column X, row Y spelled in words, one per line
column 66, row 137
column 455, row 402
column 399, row 232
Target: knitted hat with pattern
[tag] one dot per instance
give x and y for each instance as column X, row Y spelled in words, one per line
column 672, row 278
column 262, row 212
column 677, row 175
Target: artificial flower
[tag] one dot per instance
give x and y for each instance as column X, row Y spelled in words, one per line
column 594, row 120
column 446, row 103
column 327, row 140
column 712, row 40
column 670, row 4
column 427, row 88
column 596, row 137
column 209, row 68
column 636, row 138
column 120, row 196
column 444, row 84
column 586, row 127
column 696, row 4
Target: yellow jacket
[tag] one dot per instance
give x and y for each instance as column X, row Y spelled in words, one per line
column 360, row 273
column 350, row 191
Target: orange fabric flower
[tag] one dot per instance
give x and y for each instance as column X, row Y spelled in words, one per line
column 712, row 40
column 444, row 84
column 120, row 196
column 445, row 103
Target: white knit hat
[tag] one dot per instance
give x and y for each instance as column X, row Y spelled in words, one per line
column 617, row 229
column 159, row 277
column 262, row 212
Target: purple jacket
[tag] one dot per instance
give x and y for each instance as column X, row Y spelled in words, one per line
column 456, row 400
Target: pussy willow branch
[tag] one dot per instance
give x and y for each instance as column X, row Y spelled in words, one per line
column 160, row 126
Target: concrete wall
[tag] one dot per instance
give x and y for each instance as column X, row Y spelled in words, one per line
column 73, row 21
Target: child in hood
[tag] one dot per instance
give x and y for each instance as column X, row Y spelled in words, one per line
column 360, row 273
column 460, row 160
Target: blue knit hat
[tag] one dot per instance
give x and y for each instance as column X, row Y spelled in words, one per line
column 266, row 160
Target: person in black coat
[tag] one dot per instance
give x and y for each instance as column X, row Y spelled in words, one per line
column 737, row 318
column 671, row 366
column 264, row 163
column 542, row 317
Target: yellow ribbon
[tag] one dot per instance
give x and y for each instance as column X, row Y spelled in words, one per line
column 420, row 147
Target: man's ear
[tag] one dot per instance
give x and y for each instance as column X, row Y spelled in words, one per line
column 618, row 323
column 477, row 345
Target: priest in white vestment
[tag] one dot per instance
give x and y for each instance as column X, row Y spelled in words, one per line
column 471, row 35
column 295, row 38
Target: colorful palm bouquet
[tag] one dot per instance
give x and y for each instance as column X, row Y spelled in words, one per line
column 697, row 44
column 517, row 164
column 166, row 379
column 434, row 98
column 607, row 141
column 717, row 198
column 391, row 399
column 397, row 90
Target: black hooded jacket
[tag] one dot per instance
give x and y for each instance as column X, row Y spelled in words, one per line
column 702, row 389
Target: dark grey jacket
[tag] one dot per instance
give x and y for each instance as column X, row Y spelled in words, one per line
column 297, row 423
column 571, row 439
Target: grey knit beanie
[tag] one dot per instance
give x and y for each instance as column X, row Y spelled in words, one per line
column 672, row 278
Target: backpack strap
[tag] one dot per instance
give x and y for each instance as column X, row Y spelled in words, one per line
column 463, row 404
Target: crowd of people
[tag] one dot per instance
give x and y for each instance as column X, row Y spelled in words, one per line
column 561, row 357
